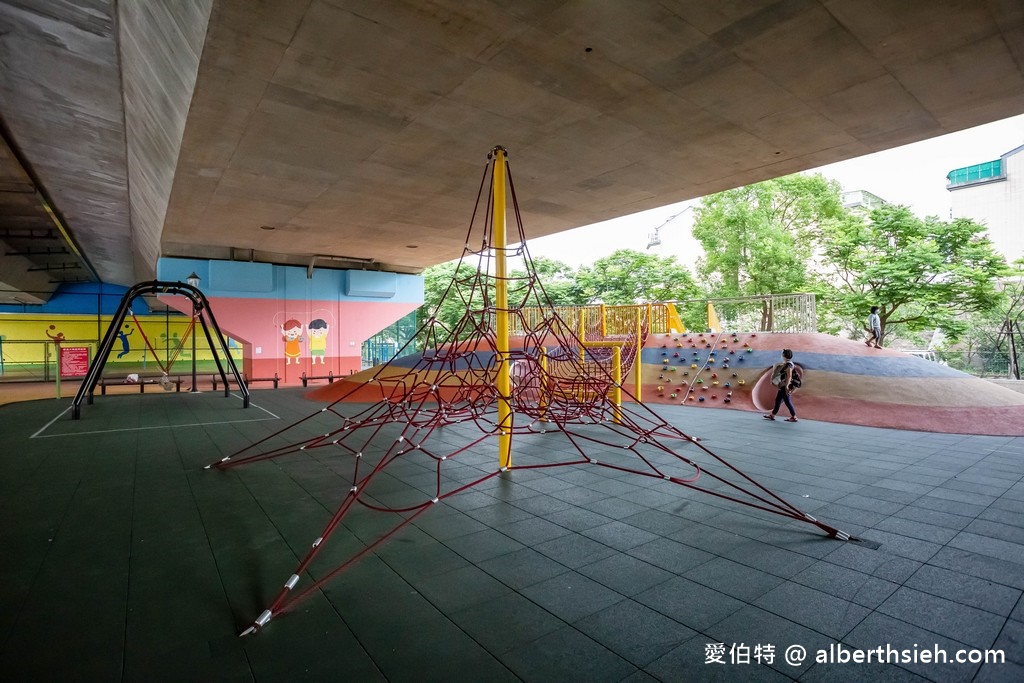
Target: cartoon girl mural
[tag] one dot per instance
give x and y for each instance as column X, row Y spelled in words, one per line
column 291, row 333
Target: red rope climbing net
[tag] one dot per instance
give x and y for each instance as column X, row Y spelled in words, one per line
column 437, row 410
column 172, row 355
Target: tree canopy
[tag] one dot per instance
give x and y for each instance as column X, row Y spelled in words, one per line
column 790, row 234
column 628, row 277
column 921, row 273
column 757, row 239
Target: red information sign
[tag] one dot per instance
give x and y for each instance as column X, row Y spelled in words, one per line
column 74, row 361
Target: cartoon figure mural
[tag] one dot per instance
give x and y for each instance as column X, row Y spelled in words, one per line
column 318, row 339
column 59, row 337
column 174, row 344
column 125, row 345
column 291, row 333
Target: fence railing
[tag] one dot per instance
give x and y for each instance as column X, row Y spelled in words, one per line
column 36, row 361
column 986, row 364
column 766, row 313
column 599, row 319
column 770, row 313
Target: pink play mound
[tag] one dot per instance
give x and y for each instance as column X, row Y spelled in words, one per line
column 844, row 382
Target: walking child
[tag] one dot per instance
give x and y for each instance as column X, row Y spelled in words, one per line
column 875, row 326
column 782, row 378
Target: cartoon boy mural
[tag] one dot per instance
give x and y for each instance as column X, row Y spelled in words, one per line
column 291, row 333
column 318, row 339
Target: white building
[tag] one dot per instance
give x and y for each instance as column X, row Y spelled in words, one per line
column 862, row 200
column 992, row 193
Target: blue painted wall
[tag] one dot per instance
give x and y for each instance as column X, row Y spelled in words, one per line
column 240, row 279
column 80, row 299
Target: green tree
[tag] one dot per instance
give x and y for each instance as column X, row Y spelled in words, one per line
column 757, row 239
column 629, row 277
column 449, row 290
column 922, row 274
column 557, row 279
column 992, row 342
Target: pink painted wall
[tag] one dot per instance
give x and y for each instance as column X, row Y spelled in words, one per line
column 256, row 324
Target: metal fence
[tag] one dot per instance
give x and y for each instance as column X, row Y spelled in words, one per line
column 986, row 364
column 33, row 361
column 36, row 361
column 597, row 319
column 767, row 313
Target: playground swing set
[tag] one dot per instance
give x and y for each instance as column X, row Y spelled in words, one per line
column 201, row 313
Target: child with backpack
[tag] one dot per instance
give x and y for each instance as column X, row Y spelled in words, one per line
column 787, row 377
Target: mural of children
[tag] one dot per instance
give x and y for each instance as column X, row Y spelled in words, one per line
column 125, row 348
column 291, row 333
column 318, row 339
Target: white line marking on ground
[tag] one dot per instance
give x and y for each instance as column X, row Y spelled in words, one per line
column 47, row 425
column 39, row 434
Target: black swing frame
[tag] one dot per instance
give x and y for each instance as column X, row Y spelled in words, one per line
column 201, row 310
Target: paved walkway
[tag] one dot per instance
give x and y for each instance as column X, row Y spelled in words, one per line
column 123, row 559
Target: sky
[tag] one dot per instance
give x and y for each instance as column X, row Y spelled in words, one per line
column 913, row 175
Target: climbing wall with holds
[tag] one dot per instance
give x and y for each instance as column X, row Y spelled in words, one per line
column 843, row 381
column 702, row 369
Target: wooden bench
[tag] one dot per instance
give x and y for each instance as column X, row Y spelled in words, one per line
column 141, row 384
column 248, row 380
column 329, row 377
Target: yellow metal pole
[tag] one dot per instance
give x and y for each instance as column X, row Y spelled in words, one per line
column 604, row 322
column 637, row 374
column 542, row 393
column 583, row 333
column 504, row 383
column 617, row 379
column 57, row 346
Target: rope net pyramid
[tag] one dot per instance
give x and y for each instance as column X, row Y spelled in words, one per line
column 561, row 407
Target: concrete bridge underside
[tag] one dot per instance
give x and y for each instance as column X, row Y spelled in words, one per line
column 355, row 133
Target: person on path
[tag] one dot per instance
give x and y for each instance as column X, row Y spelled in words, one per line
column 782, row 378
column 875, row 326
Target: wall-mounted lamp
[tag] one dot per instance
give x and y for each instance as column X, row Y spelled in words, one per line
column 193, row 280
